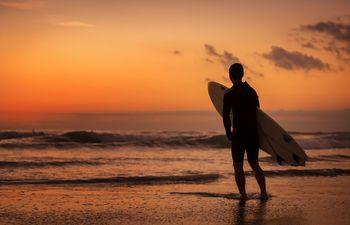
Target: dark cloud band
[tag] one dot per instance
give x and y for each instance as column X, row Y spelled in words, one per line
column 337, row 33
column 292, row 60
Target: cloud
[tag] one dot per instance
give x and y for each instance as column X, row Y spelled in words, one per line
column 211, row 51
column 209, row 60
column 176, row 52
column 308, row 45
column 61, row 22
column 21, row 4
column 254, row 72
column 338, row 51
column 337, row 34
column 339, row 31
column 331, row 47
column 226, row 58
column 292, row 60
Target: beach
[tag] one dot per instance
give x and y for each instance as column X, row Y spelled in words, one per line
column 316, row 200
column 116, row 182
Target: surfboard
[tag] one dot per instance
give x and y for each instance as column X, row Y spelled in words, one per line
column 273, row 139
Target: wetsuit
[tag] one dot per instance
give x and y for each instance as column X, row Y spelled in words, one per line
column 243, row 101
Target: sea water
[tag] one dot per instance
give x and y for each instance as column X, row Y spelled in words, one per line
column 149, row 157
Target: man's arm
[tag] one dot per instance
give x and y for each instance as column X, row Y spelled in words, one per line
column 226, row 116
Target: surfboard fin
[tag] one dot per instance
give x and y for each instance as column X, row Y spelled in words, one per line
column 296, row 160
column 279, row 160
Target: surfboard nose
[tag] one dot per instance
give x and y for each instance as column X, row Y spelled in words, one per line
column 211, row 83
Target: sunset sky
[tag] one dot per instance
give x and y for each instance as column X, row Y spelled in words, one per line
column 118, row 56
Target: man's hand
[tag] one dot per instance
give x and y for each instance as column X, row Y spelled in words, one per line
column 229, row 135
column 234, row 131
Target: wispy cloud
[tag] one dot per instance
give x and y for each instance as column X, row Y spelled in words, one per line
column 209, row 60
column 226, row 58
column 21, row 4
column 254, row 72
column 73, row 23
column 211, row 51
column 292, row 60
column 308, row 45
column 337, row 50
column 331, row 36
column 63, row 22
column 336, row 30
column 176, row 52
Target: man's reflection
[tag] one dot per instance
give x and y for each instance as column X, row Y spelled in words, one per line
column 249, row 214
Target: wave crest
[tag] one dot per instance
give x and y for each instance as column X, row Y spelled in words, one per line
column 171, row 179
column 73, row 139
column 132, row 180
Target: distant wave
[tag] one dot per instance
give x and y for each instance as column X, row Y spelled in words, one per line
column 135, row 160
column 75, row 139
column 131, row 180
column 307, row 173
column 332, row 172
column 327, row 158
column 180, row 179
column 15, row 134
column 322, row 140
column 32, row 164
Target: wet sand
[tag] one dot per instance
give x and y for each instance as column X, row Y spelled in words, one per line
column 294, row 200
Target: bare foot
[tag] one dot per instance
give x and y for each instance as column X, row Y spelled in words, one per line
column 243, row 197
column 264, row 196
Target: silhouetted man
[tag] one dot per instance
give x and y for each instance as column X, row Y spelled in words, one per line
column 243, row 101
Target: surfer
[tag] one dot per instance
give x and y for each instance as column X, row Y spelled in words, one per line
column 242, row 100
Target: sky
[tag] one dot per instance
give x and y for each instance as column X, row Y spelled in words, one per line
column 146, row 56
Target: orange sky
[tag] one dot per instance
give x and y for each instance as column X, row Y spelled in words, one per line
column 103, row 56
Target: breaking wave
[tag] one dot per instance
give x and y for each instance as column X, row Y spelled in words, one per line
column 180, row 179
column 15, row 134
column 131, row 180
column 73, row 139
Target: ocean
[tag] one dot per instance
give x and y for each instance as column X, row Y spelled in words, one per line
column 149, row 157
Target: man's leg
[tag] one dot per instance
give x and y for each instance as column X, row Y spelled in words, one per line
column 260, row 178
column 253, row 159
column 237, row 152
column 240, row 179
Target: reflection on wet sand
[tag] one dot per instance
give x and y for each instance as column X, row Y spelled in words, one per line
column 253, row 211
column 244, row 214
column 257, row 214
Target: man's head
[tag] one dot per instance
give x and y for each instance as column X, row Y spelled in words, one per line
column 236, row 72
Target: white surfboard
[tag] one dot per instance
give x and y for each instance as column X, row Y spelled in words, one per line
column 273, row 139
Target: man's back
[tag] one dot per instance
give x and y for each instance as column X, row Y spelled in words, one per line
column 242, row 100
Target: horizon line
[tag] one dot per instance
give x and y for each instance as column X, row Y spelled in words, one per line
column 167, row 111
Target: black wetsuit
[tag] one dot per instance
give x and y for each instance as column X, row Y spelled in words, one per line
column 243, row 101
